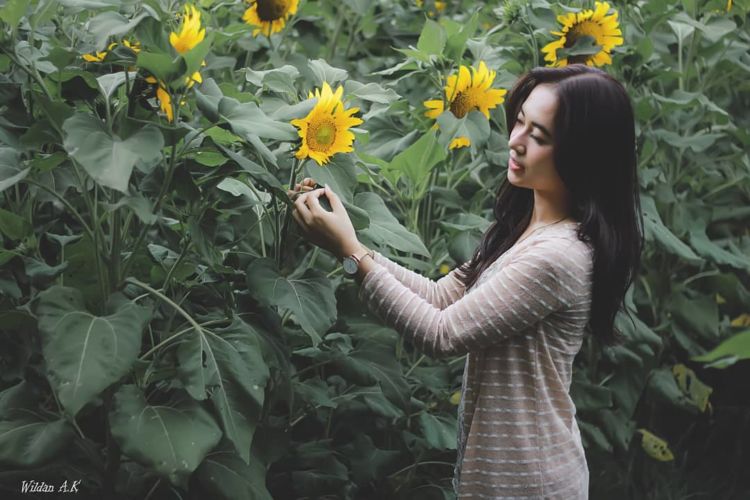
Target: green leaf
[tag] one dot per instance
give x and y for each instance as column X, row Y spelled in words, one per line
column 474, row 125
column 656, row 230
column 592, row 434
column 310, row 297
column 207, row 97
column 107, row 158
column 112, row 24
column 30, row 443
column 372, row 361
column 141, row 207
column 256, row 171
column 697, row 142
column 248, row 119
column 324, row 72
column 707, row 248
column 438, row 430
column 735, row 348
column 459, row 35
column 432, row 38
column 371, row 92
column 110, row 82
column 85, row 353
column 225, row 476
column 368, row 462
column 588, row 396
column 162, row 66
column 278, row 79
column 14, row 226
column 662, row 386
column 227, row 364
column 13, row 11
column 699, row 314
column 11, row 172
column 173, row 439
column 416, row 161
column 385, row 229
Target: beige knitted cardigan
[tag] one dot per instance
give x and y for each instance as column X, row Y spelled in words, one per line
column 521, row 324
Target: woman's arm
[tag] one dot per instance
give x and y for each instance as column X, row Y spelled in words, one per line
column 440, row 293
column 546, row 278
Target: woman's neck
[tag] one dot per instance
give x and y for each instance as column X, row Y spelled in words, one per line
column 549, row 208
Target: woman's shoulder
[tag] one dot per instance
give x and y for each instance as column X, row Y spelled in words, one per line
column 564, row 245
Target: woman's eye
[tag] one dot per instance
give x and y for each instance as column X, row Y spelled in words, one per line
column 537, row 139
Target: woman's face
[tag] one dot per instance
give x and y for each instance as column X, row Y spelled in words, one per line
column 531, row 163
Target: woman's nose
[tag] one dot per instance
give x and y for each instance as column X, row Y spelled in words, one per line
column 516, row 143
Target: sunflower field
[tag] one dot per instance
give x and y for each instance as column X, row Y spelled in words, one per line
column 166, row 332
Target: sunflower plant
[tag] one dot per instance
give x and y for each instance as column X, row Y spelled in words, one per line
column 166, row 332
column 587, row 36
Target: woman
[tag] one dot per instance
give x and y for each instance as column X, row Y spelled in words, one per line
column 563, row 249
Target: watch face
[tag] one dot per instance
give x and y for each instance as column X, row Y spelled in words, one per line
column 350, row 265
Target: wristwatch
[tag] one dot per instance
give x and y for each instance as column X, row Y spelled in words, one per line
column 351, row 262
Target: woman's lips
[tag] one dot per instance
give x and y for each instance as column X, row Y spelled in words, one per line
column 514, row 166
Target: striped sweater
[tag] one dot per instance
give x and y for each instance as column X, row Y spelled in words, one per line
column 521, row 324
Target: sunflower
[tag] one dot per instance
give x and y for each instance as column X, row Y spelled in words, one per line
column 467, row 91
column 596, row 24
column 325, row 130
column 100, row 56
column 269, row 16
column 191, row 33
column 162, row 95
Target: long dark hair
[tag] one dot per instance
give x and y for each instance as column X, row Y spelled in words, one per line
column 594, row 154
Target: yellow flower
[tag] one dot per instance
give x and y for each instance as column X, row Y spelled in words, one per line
column 162, row 95
column 134, row 46
column 741, row 320
column 325, row 130
column 729, row 5
column 99, row 56
column 439, row 7
column 269, row 16
column 191, row 33
column 444, row 269
column 467, row 91
column 455, row 398
column 603, row 28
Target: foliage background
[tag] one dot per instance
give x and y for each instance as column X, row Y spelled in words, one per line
column 158, row 313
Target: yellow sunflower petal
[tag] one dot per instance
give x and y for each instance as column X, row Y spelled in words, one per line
column 269, row 16
column 190, row 33
column 459, row 142
column 325, row 130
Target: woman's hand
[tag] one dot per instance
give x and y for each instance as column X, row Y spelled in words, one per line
column 332, row 231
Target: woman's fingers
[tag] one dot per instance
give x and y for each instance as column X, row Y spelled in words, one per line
column 336, row 204
column 314, row 204
column 302, row 209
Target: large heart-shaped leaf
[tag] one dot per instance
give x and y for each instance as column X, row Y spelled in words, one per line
column 229, row 478
column 227, row 364
column 107, row 158
column 310, row 297
column 172, row 439
column 248, row 118
column 10, row 171
column 27, row 443
column 385, row 228
column 86, row 353
column 417, row 160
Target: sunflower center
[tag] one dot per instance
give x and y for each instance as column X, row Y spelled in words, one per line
column 462, row 104
column 272, row 10
column 585, row 28
column 321, row 134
